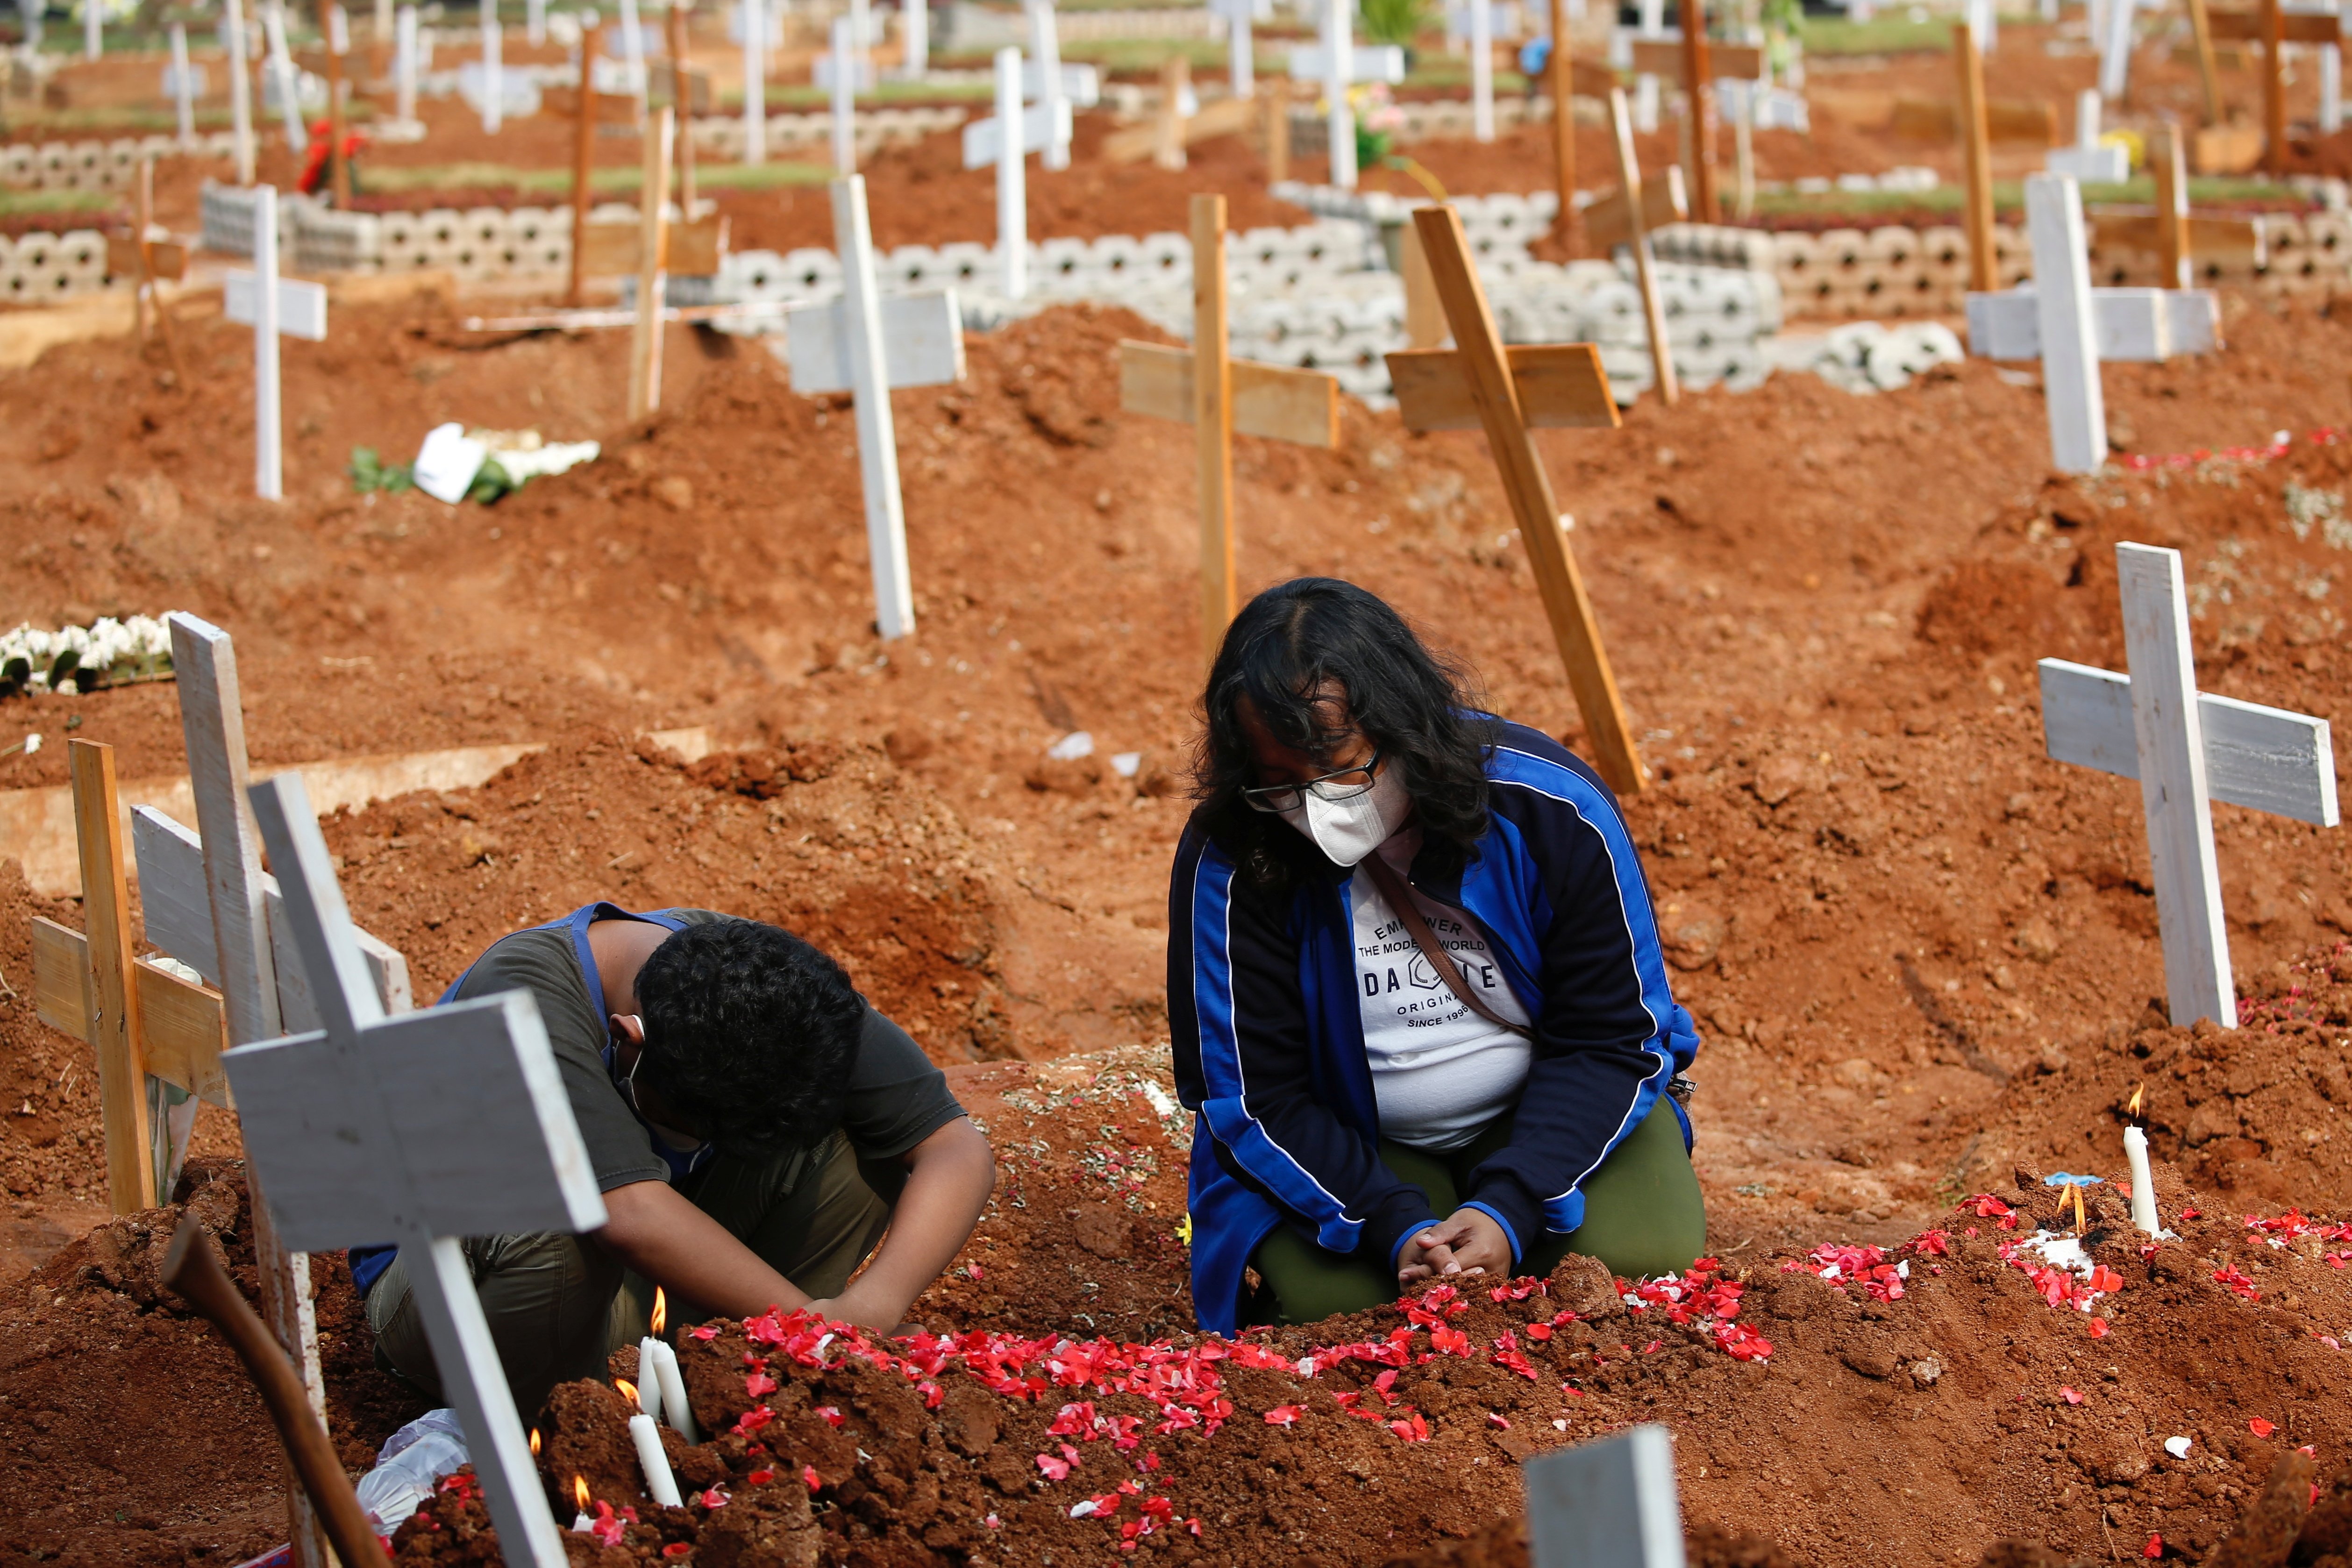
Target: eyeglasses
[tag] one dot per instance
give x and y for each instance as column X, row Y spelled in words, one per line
column 628, row 1084
column 1345, row 784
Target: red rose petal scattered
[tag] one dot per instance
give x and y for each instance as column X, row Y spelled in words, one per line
column 808, row 1474
column 2098, row 1328
column 2069, row 1395
column 2154, row 1547
column 2260, row 1427
column 1284, row 1415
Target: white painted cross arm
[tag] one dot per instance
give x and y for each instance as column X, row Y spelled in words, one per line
column 1366, row 62
column 302, row 307
column 922, row 342
column 420, row 1130
column 2126, row 324
column 1041, row 125
column 1082, row 85
column 1606, row 1504
column 2265, row 759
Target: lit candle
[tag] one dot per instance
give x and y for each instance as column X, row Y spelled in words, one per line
column 674, row 1409
column 2143, row 1182
column 582, row 1522
column 659, row 1484
column 648, row 1378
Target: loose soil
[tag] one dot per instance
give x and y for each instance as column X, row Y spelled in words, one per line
column 1922, row 954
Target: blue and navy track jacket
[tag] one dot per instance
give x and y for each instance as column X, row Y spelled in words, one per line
column 1269, row 1041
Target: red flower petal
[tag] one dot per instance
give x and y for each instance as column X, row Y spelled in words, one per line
column 2069, row 1395
column 2260, row 1427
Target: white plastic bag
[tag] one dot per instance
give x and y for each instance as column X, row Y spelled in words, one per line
column 412, row 1463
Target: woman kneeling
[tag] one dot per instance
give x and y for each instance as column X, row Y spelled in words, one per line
column 1412, row 972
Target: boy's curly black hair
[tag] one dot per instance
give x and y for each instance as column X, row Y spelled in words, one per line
column 751, row 1031
column 1419, row 708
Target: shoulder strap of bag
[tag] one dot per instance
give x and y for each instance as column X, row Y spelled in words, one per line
column 1400, row 898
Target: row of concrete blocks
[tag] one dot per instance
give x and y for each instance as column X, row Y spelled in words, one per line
column 96, row 165
column 41, row 268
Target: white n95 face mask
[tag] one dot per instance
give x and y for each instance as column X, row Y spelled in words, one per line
column 1347, row 830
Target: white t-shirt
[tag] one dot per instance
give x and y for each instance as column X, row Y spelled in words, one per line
column 1440, row 1072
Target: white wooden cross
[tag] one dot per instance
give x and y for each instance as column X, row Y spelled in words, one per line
column 848, row 64
column 1606, row 1504
column 987, row 141
column 288, row 80
column 864, row 345
column 2070, row 326
column 754, row 19
column 1473, row 22
column 416, row 1130
column 406, row 126
column 1241, row 61
column 2115, row 49
column 1049, row 83
column 494, row 84
column 184, row 83
column 93, row 29
column 1338, row 64
column 2187, row 749
column 271, row 305
column 915, row 26
column 2089, row 161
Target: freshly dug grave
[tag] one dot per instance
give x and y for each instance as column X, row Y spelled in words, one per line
column 1866, row 1415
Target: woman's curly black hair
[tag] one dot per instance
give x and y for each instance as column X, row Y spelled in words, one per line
column 751, row 1031
column 1419, row 708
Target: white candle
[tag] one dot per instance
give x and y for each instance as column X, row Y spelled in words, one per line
column 648, row 1379
column 659, row 1484
column 674, row 1409
column 581, row 1524
column 2143, row 1184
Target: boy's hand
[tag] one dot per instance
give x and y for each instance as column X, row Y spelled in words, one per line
column 1469, row 1243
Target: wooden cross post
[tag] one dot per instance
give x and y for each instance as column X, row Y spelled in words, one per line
column 1635, row 208
column 1976, row 153
column 682, row 86
column 1698, row 91
column 755, row 82
column 358, row 1140
column 1480, row 384
column 2208, row 72
column 864, row 344
column 281, row 65
column 271, row 305
column 1563, row 126
column 132, row 1156
column 2274, row 15
column 1241, row 66
column 338, row 40
column 2187, row 749
column 1046, row 52
column 1006, row 138
column 1277, row 134
column 183, row 88
column 646, row 339
column 1175, row 86
column 1217, row 395
column 2071, row 326
column 2170, row 165
column 240, row 90
column 1611, row 1502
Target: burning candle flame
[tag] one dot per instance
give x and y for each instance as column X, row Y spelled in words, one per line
column 534, row 1442
column 2137, row 1095
column 661, row 1311
column 628, row 1390
column 580, row 1493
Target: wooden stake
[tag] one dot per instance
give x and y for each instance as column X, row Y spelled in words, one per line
column 190, row 1269
column 114, row 1034
column 2274, row 15
column 1699, row 90
column 645, row 342
column 143, row 212
column 1976, row 153
column 1212, row 422
column 1424, row 315
column 583, row 154
column 1175, row 81
column 681, row 96
column 1492, row 386
column 1563, row 127
column 1277, row 134
column 2170, row 166
column 1654, row 311
column 2200, row 25
column 339, row 177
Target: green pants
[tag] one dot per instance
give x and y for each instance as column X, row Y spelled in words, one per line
column 1643, row 1215
column 558, row 1305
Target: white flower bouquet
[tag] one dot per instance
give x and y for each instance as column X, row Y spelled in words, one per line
column 106, row 653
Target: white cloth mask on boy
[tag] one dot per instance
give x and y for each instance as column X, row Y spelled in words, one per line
column 1347, row 830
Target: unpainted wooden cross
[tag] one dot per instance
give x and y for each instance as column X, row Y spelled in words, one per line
column 1626, row 217
column 1509, row 393
column 2273, row 26
column 864, row 345
column 2187, row 749
column 1219, row 396
column 587, row 109
column 2179, row 239
column 416, row 1130
column 1695, row 63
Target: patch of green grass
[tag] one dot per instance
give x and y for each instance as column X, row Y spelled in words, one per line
column 804, row 96
column 1943, row 202
column 15, row 204
column 730, row 176
column 1894, row 35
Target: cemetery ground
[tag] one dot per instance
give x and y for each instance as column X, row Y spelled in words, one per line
column 1921, row 953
